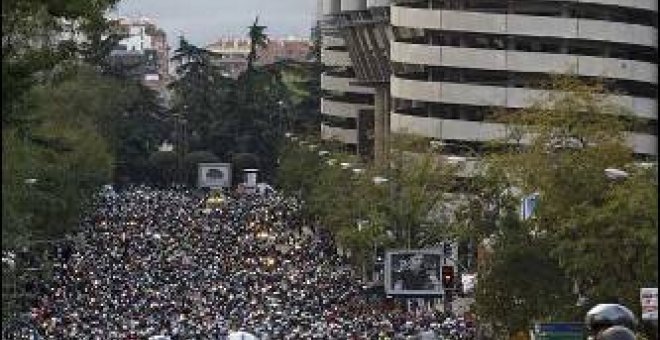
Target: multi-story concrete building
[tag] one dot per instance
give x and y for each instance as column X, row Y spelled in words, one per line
column 452, row 62
column 144, row 50
column 230, row 55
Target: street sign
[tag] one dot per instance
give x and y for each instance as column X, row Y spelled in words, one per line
column 558, row 331
column 649, row 302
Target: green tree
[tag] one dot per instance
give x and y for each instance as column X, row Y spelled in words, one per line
column 164, row 165
column 204, row 97
column 586, row 230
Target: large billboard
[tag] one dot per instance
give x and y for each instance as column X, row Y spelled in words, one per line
column 214, row 175
column 414, row 272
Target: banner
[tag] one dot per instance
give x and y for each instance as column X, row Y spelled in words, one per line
column 469, row 282
column 414, row 272
column 214, row 175
column 649, row 302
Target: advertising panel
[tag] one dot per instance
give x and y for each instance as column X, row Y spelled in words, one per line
column 414, row 272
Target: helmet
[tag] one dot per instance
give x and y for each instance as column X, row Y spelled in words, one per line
column 616, row 333
column 605, row 315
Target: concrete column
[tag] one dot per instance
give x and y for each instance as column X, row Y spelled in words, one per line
column 379, row 112
column 386, row 121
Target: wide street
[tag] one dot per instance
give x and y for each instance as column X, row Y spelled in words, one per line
column 160, row 262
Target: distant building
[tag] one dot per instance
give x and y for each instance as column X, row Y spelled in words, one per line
column 143, row 53
column 231, row 54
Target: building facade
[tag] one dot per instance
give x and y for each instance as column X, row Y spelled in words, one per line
column 143, row 51
column 347, row 106
column 452, row 62
column 231, row 54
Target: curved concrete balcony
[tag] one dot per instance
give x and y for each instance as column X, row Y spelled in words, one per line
column 332, row 41
column 483, row 95
column 447, row 128
column 353, row 5
column 378, row 3
column 526, row 25
column 347, row 136
column 502, row 60
column 485, row 131
column 339, row 84
column 335, row 58
column 651, row 5
column 331, row 7
column 341, row 109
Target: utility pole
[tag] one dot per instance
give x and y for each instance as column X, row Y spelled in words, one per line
column 181, row 146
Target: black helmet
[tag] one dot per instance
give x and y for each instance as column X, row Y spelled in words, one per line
column 616, row 333
column 604, row 315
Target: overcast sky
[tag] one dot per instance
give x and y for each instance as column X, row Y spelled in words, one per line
column 204, row 21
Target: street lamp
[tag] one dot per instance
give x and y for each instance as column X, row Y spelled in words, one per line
column 345, row 165
column 456, row 159
column 332, row 162
column 358, row 171
column 378, row 180
column 324, row 153
column 31, row 181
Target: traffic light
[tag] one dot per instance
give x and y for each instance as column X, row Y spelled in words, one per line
column 448, row 277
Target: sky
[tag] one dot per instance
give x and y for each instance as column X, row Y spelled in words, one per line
column 205, row 21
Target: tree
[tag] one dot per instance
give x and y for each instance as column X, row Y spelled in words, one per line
column 62, row 151
column 203, row 96
column 164, row 165
column 258, row 39
column 397, row 214
column 593, row 233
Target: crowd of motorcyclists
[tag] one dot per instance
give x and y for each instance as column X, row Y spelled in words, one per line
column 165, row 264
column 162, row 262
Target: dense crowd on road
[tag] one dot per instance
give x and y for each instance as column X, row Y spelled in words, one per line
column 161, row 262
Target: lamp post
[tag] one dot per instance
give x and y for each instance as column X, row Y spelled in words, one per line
column 377, row 181
column 616, row 174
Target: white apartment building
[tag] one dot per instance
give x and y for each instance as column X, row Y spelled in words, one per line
column 452, row 62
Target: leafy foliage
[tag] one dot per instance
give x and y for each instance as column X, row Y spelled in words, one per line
column 247, row 115
column 64, row 122
column 587, row 230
